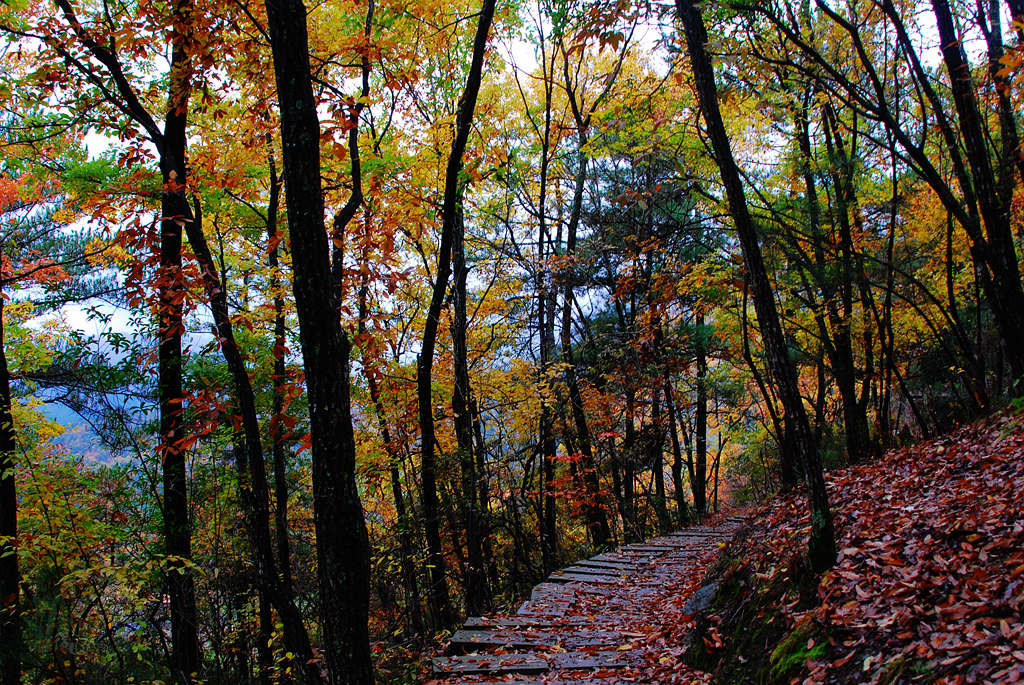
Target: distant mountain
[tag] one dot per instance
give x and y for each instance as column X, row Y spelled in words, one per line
column 79, row 438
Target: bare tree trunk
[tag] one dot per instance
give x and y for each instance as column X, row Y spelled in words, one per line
column 478, row 593
column 277, row 423
column 342, row 544
column 1005, row 295
column 822, row 549
column 658, row 466
column 10, row 577
column 185, row 657
column 699, row 486
column 682, row 511
column 438, row 591
column 596, row 518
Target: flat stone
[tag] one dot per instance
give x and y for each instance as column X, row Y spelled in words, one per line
column 496, row 663
column 564, row 577
column 464, row 641
column 497, row 623
column 524, row 663
column 624, row 566
column 592, row 571
column 701, row 599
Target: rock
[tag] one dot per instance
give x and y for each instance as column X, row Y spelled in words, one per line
column 701, row 599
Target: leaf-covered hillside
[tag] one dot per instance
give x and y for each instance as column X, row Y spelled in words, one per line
column 928, row 587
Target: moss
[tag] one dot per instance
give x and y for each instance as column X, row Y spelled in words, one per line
column 761, row 646
column 790, row 655
column 898, row 668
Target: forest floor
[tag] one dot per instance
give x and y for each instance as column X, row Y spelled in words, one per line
column 928, row 587
column 613, row 618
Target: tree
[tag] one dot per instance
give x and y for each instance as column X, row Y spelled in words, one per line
column 452, row 238
column 342, row 544
column 822, row 549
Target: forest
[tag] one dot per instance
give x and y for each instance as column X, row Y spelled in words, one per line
column 327, row 325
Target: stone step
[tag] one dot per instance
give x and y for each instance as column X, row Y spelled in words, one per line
column 629, row 558
column 464, row 641
column 549, row 634
column 478, row 623
column 624, row 566
column 546, row 592
column 525, row 662
column 564, row 577
column 594, row 571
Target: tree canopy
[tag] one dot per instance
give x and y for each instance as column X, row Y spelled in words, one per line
column 371, row 314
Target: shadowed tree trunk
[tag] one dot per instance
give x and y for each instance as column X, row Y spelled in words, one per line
column 185, row 659
column 438, row 591
column 342, row 546
column 822, row 548
column 478, row 594
column 682, row 511
column 10, row 616
column 277, row 419
column 700, row 429
column 658, row 464
column 1005, row 294
column 170, row 143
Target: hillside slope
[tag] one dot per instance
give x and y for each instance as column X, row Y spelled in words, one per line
column 929, row 586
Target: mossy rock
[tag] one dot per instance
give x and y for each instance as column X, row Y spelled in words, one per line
column 789, row 656
column 761, row 646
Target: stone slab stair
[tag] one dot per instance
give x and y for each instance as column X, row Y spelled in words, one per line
column 569, row 631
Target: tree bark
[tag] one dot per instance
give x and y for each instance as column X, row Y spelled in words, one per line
column 342, row 545
column 478, row 593
column 277, row 419
column 699, row 486
column 682, row 511
column 594, row 513
column 174, row 210
column 1006, row 295
column 438, row 591
column 10, row 578
column 822, row 549
column 658, row 464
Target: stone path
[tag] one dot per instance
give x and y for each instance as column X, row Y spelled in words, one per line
column 589, row 623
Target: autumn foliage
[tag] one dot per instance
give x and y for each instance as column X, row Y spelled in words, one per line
column 324, row 324
column 928, row 587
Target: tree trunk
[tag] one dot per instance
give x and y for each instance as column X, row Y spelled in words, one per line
column 439, row 598
column 342, row 546
column 483, row 496
column 1005, row 294
column 185, row 659
column 836, row 338
column 10, row 615
column 594, row 513
column 254, row 491
column 682, row 511
column 822, row 549
column 264, row 655
column 478, row 594
column 277, row 419
column 700, row 431
column 630, row 525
